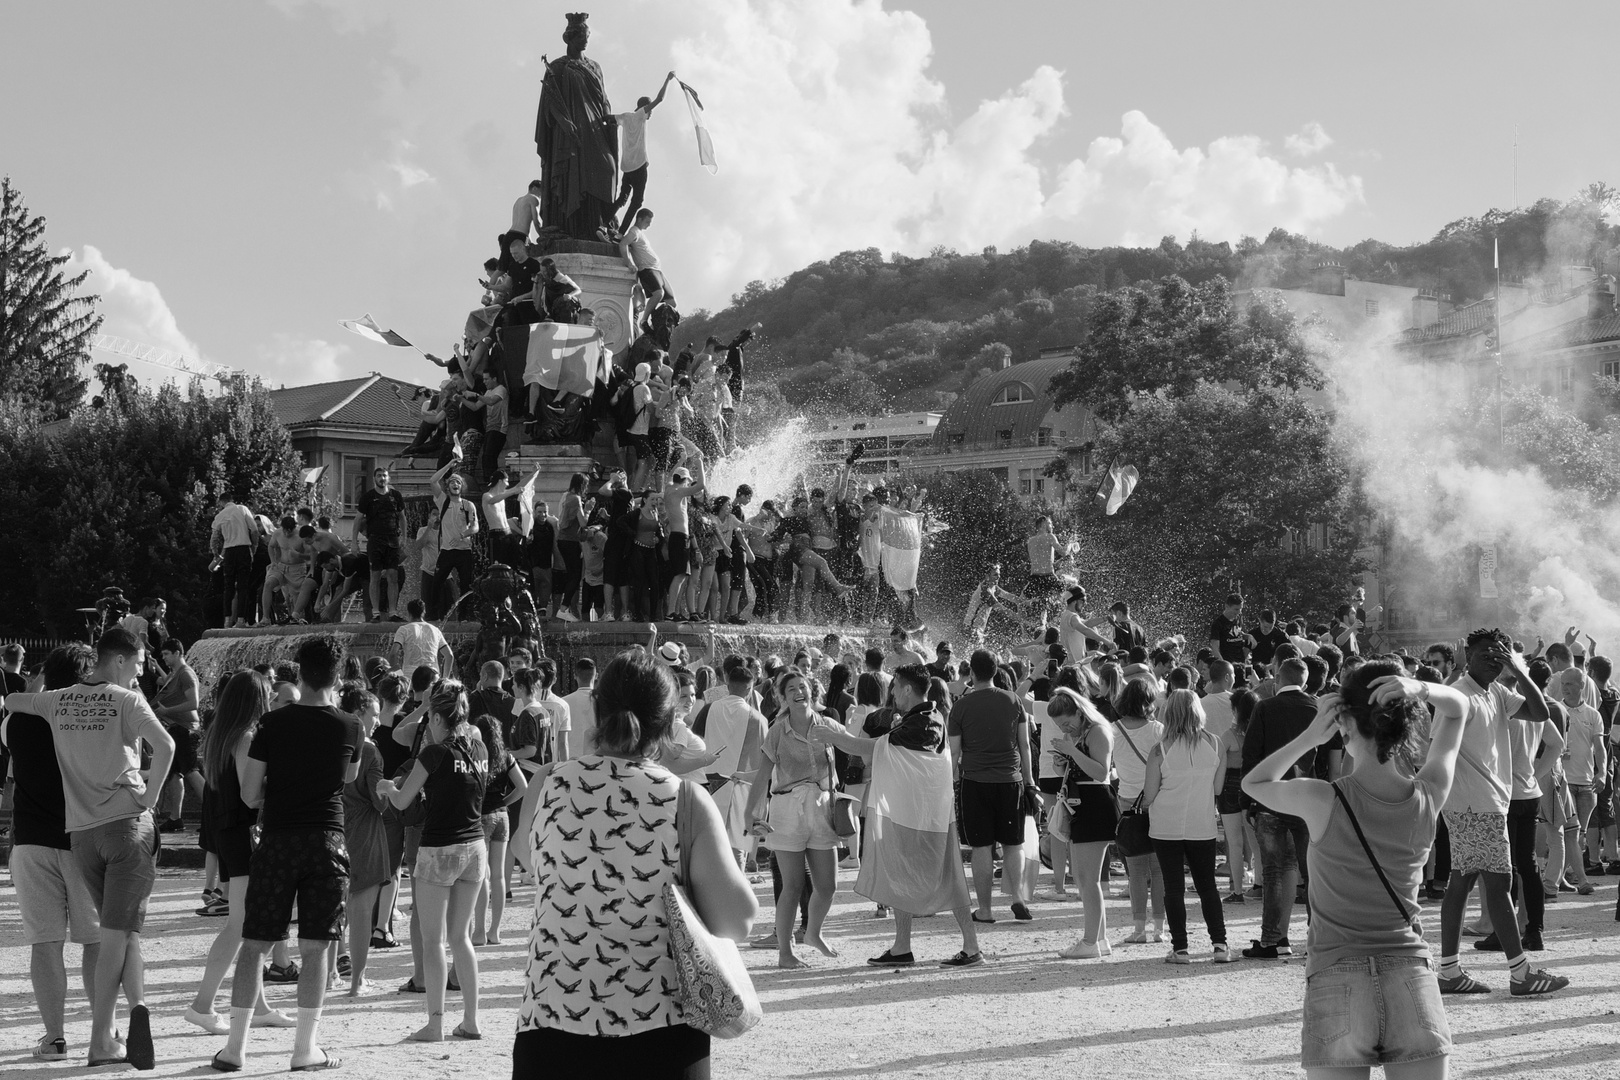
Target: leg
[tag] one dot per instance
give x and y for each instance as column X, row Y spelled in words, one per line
column 47, row 972
column 1088, row 860
column 1201, row 864
column 497, row 894
column 792, row 867
column 1236, row 845
column 1452, row 909
column 360, row 905
column 434, row 902
column 375, row 585
column 386, row 897
column 1497, row 898
column 1522, row 844
column 246, row 988
column 1139, row 876
column 984, row 878
column 224, row 950
column 1281, row 877
column 311, row 997
column 1012, row 872
column 902, row 933
column 823, row 884
column 1170, row 855
column 459, row 926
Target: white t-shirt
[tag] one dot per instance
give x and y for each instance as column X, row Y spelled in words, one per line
column 561, row 721
column 1485, row 743
column 1525, row 739
column 1306, row 646
column 582, row 722
column 1585, row 732
column 235, row 526
column 421, row 643
column 97, row 728
column 641, row 252
column 632, row 139
column 1218, row 712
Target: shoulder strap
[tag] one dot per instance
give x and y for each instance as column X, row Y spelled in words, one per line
column 700, row 722
column 684, row 831
column 1131, row 743
column 1400, row 906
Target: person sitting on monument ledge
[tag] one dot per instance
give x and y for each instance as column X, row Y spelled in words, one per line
column 560, row 294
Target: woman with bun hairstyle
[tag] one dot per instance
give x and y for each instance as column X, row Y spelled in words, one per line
column 1083, row 747
column 1371, row 992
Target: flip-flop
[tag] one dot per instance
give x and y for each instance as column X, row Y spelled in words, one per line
column 979, row 920
column 96, row 1062
column 327, row 1062
column 138, row 1047
column 223, row 1066
column 461, row 1033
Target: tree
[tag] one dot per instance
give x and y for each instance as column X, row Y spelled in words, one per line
column 45, row 324
column 124, row 495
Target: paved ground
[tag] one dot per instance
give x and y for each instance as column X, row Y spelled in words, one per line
column 1023, row 1014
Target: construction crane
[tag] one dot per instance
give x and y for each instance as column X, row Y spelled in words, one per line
column 151, row 354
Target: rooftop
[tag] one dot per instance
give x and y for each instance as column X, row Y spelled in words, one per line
column 368, row 402
column 1016, row 398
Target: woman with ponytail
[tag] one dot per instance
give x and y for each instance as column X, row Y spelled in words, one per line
column 451, row 772
column 1371, row 993
column 599, row 993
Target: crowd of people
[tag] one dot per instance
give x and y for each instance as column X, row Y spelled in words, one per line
column 1356, row 787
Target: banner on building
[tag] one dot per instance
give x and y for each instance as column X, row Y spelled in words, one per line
column 1487, row 572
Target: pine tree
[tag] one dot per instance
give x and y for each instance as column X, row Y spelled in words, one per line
column 45, row 323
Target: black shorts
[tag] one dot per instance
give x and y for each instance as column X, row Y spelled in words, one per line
column 722, row 563
column 383, row 557
column 309, row 866
column 187, row 742
column 233, row 847
column 667, row 1053
column 358, row 563
column 631, row 440
column 652, row 280
column 1049, row 785
column 991, row 813
column 1230, row 799
column 677, row 552
column 1093, row 814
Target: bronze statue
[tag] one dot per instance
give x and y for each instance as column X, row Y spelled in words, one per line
column 577, row 139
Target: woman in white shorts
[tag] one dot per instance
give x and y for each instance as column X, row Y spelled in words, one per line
column 451, row 771
column 800, row 781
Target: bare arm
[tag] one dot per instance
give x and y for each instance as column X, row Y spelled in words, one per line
column 760, row 790
column 655, row 101
column 250, row 774
column 1150, row 786
column 402, row 794
column 1552, row 748
column 718, row 889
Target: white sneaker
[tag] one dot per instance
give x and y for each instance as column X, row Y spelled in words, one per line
column 1178, row 956
column 1087, row 950
column 567, row 616
column 1223, row 955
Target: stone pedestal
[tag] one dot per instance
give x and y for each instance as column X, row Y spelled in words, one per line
column 605, row 283
column 556, row 464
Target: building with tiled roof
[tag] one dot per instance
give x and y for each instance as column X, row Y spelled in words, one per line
column 349, row 427
column 1006, row 424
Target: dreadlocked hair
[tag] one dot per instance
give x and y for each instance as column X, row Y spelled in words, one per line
column 1392, row 727
column 1496, row 636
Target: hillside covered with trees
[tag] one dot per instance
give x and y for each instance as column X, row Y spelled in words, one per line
column 865, row 331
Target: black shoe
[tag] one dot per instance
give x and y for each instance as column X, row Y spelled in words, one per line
column 1257, row 951
column 1488, row 943
column 1529, row 941
column 1594, row 869
column 139, row 1050
column 172, row 825
column 1021, row 912
column 890, row 958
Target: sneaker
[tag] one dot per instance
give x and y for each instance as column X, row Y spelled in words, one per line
column 1488, row 943
column 1586, row 888
column 1593, row 869
column 1021, row 911
column 1178, row 956
column 1537, row 982
column 409, row 986
column 1463, row 983
column 343, row 966
column 890, row 958
column 1223, row 955
column 567, row 616
column 1530, row 941
column 1087, row 950
column 49, row 1049
column 963, row 959
column 173, row 825
column 275, row 973
column 215, row 907
column 1257, row 951
column 1234, row 898
column 1256, row 890
column 881, row 912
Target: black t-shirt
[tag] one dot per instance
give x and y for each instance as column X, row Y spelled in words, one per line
column 1128, row 635
column 457, row 773
column 1229, row 635
column 523, row 275
column 306, row 750
column 1265, row 645
column 39, row 809
column 385, row 516
column 393, row 754
column 494, row 703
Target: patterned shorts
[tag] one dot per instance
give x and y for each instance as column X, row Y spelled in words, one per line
column 309, row 866
column 1479, row 843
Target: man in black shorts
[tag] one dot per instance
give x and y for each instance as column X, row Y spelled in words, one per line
column 341, row 577
column 990, row 743
column 296, row 770
column 176, row 704
column 382, row 521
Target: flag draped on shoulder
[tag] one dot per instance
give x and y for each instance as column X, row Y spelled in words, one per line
column 901, row 531
column 1118, row 483
column 566, row 358
column 367, row 328
column 694, row 105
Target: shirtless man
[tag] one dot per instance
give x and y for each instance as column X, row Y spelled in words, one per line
column 290, row 558
column 526, row 213
column 682, row 487
column 902, row 651
column 342, row 573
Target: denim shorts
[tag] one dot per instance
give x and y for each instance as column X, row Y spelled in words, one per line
column 119, row 862
column 451, row 863
column 798, row 821
column 1373, row 1010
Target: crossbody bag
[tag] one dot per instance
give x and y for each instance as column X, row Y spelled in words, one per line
column 1410, row 918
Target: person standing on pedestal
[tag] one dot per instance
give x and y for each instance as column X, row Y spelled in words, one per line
column 633, row 154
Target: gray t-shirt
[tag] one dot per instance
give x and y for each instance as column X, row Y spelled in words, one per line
column 989, row 723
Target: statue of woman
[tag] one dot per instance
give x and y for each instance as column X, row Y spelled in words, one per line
column 577, row 140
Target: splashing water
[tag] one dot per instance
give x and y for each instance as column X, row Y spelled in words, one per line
column 771, row 466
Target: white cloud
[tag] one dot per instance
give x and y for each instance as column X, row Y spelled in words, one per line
column 292, row 360
column 130, row 307
column 1310, row 139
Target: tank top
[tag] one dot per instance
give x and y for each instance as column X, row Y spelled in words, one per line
column 599, row 960
column 226, row 807
column 646, row 530
column 1131, row 768
column 1351, row 914
column 1184, row 808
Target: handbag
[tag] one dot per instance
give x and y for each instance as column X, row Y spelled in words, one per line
column 1132, row 834
column 842, row 810
column 712, row 984
column 1409, row 918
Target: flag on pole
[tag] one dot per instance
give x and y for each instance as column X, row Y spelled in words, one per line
column 1118, row 483
column 694, row 105
column 367, row 328
column 901, row 532
column 566, row 358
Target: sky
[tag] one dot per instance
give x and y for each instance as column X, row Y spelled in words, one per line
column 236, row 178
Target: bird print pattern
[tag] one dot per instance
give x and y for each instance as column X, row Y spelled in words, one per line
column 599, row 961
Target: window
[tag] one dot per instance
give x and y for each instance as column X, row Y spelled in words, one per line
column 1014, row 394
column 1372, row 308
column 958, row 438
column 1611, row 369
column 1043, row 437
column 1004, row 438
column 1026, row 481
column 356, row 479
column 858, row 427
column 1040, row 486
column 1566, row 380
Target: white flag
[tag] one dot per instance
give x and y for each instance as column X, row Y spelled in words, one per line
column 705, row 144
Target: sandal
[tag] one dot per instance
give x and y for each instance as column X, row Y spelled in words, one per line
column 327, row 1062
column 382, row 939
column 409, row 987
column 220, row 1065
column 462, row 1033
